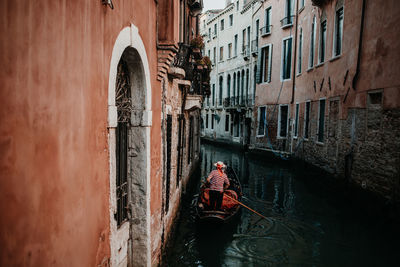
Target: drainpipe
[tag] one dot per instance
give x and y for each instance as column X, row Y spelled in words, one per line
column 355, row 78
column 295, row 52
column 294, row 67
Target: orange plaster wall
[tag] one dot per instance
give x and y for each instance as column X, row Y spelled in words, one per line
column 54, row 173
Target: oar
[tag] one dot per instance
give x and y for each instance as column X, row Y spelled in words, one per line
column 240, row 203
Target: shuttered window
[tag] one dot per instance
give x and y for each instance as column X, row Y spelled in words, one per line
column 264, row 64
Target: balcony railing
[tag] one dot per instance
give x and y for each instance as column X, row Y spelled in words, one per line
column 227, row 102
column 199, row 77
column 246, row 51
column 250, row 100
column 287, row 21
column 266, row 30
column 254, row 47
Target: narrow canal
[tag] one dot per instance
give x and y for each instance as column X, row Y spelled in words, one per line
column 308, row 224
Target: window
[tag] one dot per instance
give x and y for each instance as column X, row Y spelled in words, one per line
column 222, row 25
column 296, row 121
column 237, row 5
column 168, row 163
column 213, row 94
column 208, row 53
column 230, row 50
column 261, row 121
column 312, row 44
column 221, row 81
column 265, row 64
column 301, row 4
column 230, row 19
column 236, row 44
column 207, row 120
column 322, row 42
column 337, row 45
column 212, row 121
column 248, row 36
column 227, row 122
column 214, row 55
column 286, row 58
column 190, row 147
column 243, row 40
column 307, row 120
column 267, row 22
column 228, row 86
column 209, row 33
column 283, row 120
column 321, row 120
column 288, row 13
column 300, row 52
column 215, row 29
column 221, row 53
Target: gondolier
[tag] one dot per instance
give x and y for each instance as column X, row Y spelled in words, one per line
column 218, row 181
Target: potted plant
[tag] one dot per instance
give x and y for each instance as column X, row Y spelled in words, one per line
column 207, row 62
column 197, row 44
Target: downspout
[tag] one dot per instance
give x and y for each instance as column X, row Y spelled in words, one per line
column 295, row 52
column 294, row 67
column 355, row 78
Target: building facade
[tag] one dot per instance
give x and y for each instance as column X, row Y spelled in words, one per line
column 231, row 43
column 327, row 88
column 90, row 102
column 326, row 85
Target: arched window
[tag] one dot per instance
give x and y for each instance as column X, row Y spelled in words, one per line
column 242, row 88
column 247, row 84
column 234, row 86
column 338, row 36
column 238, row 88
column 228, row 87
column 221, row 80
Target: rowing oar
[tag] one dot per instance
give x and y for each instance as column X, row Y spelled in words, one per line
column 240, row 203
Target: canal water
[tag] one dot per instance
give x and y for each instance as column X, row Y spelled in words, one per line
column 309, row 223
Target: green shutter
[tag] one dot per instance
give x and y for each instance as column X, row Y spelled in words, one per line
column 259, row 64
column 270, row 67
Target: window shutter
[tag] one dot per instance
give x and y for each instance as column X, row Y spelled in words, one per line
column 270, row 65
column 259, row 67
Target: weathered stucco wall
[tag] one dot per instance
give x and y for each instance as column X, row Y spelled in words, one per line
column 53, row 134
column 361, row 126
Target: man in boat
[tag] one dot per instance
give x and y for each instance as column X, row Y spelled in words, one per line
column 218, row 181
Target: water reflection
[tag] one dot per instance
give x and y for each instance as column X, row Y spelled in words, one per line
column 302, row 229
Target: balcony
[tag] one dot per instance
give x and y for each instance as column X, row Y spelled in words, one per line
column 319, row 3
column 265, row 31
column 227, row 102
column 246, row 52
column 250, row 100
column 254, row 47
column 287, row 22
column 184, row 67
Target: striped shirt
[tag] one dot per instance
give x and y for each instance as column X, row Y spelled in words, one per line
column 217, row 180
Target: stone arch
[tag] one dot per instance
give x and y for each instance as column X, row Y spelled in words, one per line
column 129, row 48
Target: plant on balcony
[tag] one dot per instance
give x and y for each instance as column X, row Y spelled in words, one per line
column 207, row 62
column 200, row 64
column 197, row 43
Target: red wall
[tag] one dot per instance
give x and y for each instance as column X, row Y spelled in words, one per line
column 54, row 173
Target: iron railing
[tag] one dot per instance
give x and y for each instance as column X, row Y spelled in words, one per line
column 254, row 47
column 287, row 21
column 266, row 30
column 198, row 76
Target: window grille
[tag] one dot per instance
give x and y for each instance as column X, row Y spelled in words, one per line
column 124, row 107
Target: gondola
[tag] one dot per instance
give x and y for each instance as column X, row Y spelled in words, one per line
column 229, row 208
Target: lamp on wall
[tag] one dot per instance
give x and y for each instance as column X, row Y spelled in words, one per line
column 108, row 3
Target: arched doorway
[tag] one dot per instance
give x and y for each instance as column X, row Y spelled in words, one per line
column 129, row 118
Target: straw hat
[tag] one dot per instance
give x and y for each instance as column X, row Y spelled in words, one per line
column 219, row 163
